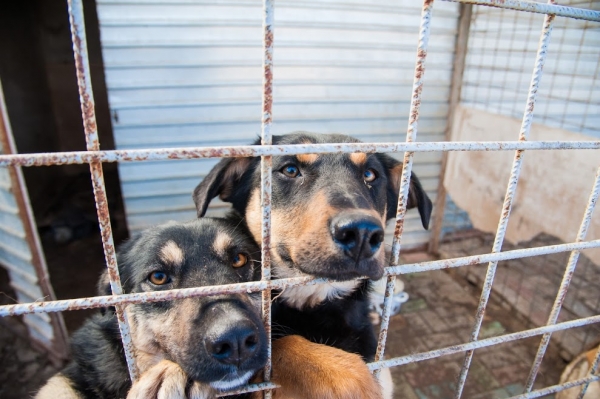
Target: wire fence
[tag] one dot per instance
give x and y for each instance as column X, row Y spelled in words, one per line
column 94, row 157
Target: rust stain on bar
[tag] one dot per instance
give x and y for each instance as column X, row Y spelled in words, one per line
column 183, row 153
column 77, row 23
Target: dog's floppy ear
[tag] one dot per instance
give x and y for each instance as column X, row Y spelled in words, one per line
column 103, row 286
column 221, row 180
column 416, row 195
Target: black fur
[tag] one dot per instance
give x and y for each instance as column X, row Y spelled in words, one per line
column 344, row 322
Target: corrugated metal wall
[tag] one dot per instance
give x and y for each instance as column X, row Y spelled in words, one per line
column 502, row 48
column 15, row 256
column 20, row 250
column 185, row 73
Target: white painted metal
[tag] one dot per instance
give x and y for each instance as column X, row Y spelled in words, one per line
column 185, row 73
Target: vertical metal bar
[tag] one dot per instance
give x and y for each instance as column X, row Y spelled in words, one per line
column 266, row 165
column 593, row 370
column 59, row 348
column 460, row 54
column 86, row 98
column 566, row 280
column 510, row 194
column 411, row 135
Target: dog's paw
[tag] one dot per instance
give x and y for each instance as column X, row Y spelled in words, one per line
column 308, row 370
column 166, row 380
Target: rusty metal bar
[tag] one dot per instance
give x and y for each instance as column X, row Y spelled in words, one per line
column 266, row 166
column 411, row 135
column 501, row 339
column 279, row 284
column 510, row 194
column 249, row 388
column 566, row 281
column 485, row 258
column 182, row 153
column 539, row 8
column 458, row 69
column 557, row 388
column 88, row 114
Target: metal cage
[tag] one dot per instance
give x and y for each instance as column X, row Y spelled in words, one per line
column 95, row 157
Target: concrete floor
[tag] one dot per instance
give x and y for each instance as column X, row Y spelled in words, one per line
column 440, row 313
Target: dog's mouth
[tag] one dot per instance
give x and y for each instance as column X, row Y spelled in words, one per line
column 334, row 266
column 232, row 381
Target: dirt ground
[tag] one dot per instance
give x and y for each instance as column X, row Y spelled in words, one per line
column 439, row 313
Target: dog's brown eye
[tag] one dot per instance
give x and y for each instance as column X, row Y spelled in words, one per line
column 291, row 171
column 159, row 278
column 369, row 175
column 239, row 260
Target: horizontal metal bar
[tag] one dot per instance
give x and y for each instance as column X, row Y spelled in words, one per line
column 255, row 286
column 155, row 296
column 556, row 388
column 180, row 153
column 450, row 350
column 490, row 257
column 249, row 388
column 539, row 8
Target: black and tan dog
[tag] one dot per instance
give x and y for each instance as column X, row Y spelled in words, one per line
column 328, row 218
column 218, row 341
column 194, row 347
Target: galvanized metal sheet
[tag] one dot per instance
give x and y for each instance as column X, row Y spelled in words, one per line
column 15, row 257
column 183, row 73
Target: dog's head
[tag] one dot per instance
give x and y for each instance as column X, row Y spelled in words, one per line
column 219, row 340
column 328, row 210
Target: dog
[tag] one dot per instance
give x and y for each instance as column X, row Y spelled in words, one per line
column 218, row 341
column 328, row 218
column 579, row 368
column 195, row 347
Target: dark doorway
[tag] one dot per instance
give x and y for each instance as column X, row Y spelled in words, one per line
column 40, row 88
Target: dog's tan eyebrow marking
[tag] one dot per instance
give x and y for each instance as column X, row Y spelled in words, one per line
column 172, row 254
column 307, row 158
column 221, row 243
column 359, row 158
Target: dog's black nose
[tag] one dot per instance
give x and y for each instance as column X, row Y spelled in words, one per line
column 233, row 344
column 359, row 236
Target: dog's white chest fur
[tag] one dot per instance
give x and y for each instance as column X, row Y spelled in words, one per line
column 312, row 295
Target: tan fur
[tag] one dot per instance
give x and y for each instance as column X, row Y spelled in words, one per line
column 307, row 158
column 153, row 337
column 395, row 174
column 577, row 369
column 58, row 386
column 306, row 370
column 166, row 380
column 221, row 243
column 172, row 254
column 358, row 158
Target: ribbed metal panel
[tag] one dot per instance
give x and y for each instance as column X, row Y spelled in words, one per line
column 15, row 256
column 502, row 50
column 189, row 73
